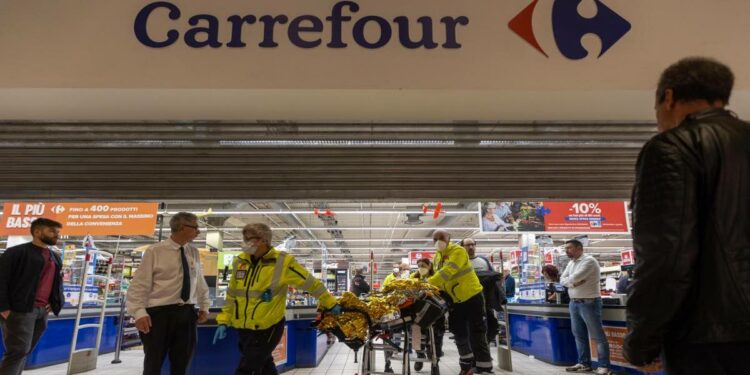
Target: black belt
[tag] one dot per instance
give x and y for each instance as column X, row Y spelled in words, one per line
column 174, row 306
column 581, row 300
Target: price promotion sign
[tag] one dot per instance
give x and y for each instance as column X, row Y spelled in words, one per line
column 82, row 218
column 415, row 256
column 585, row 217
column 627, row 258
column 555, row 217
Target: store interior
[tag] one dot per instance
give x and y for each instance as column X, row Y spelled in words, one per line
column 330, row 238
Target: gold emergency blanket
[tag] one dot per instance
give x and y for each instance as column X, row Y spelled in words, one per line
column 354, row 325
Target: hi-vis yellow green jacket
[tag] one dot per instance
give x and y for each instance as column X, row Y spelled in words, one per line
column 245, row 307
column 454, row 274
column 389, row 279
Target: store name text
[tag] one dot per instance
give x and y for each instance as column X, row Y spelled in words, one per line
column 302, row 31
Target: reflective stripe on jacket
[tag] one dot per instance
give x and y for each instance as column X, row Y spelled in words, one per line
column 454, row 274
column 245, row 307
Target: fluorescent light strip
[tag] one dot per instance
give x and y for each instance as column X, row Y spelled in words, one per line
column 322, row 211
column 238, row 229
column 338, row 143
column 400, row 240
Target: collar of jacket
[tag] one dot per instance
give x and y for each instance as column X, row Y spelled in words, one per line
column 271, row 254
column 451, row 248
column 708, row 112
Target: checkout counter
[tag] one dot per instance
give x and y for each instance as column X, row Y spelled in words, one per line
column 300, row 346
column 54, row 346
column 544, row 331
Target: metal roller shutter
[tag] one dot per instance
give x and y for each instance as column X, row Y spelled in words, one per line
column 318, row 161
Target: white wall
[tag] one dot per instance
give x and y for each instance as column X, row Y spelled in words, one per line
column 63, row 60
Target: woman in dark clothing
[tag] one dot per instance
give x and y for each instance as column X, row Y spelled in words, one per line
column 552, row 276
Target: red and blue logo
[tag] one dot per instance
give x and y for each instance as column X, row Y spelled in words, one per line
column 568, row 27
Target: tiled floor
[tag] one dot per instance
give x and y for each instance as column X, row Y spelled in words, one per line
column 338, row 361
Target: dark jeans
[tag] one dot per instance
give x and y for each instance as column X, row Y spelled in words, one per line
column 256, row 347
column 714, row 359
column 173, row 332
column 468, row 325
column 21, row 333
column 585, row 321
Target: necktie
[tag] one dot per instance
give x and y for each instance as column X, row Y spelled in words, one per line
column 185, row 295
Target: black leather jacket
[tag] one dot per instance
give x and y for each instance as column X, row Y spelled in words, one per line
column 691, row 234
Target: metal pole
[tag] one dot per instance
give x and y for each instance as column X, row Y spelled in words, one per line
column 160, row 219
column 372, row 272
column 118, row 345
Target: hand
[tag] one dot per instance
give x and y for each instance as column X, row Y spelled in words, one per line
column 336, row 310
column 202, row 316
column 144, row 324
column 579, row 283
column 5, row 314
column 221, row 333
column 651, row 368
column 49, row 308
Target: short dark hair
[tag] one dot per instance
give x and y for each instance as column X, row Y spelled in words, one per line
column 44, row 223
column 425, row 261
column 551, row 271
column 575, row 243
column 696, row 78
column 181, row 218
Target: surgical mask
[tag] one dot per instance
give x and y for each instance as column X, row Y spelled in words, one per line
column 249, row 248
column 424, row 271
column 396, row 270
column 440, row 245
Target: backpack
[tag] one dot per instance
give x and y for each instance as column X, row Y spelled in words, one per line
column 494, row 289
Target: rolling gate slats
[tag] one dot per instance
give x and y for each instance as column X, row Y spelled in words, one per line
column 318, row 161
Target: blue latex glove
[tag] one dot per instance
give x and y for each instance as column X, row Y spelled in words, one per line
column 336, row 310
column 221, row 333
column 266, row 296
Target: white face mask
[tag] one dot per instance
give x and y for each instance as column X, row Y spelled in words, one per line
column 440, row 245
column 396, row 270
column 424, row 271
column 249, row 248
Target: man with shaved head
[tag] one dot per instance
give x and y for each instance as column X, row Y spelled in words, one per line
column 455, row 277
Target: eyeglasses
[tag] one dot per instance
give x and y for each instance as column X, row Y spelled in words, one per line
column 191, row 226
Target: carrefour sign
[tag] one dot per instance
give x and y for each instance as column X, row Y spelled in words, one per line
column 510, row 46
column 303, row 31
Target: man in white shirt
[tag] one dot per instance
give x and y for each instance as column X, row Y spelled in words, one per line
column 163, row 298
column 581, row 276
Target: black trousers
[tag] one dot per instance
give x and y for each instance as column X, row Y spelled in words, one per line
column 468, row 325
column 173, row 332
column 714, row 359
column 256, row 347
column 492, row 324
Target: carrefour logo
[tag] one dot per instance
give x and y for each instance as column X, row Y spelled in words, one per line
column 163, row 24
column 568, row 27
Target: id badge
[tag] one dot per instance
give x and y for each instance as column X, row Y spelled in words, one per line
column 240, row 274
